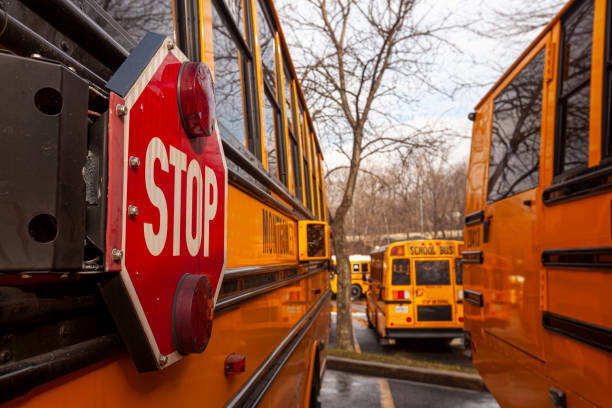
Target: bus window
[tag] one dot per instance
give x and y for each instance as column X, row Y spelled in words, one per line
column 364, row 267
column 228, row 83
column 306, row 166
column 458, row 271
column 515, row 135
column 355, row 268
column 270, row 134
column 432, row 272
column 574, row 90
column 401, row 272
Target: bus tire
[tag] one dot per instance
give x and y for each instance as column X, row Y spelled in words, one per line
column 355, row 291
column 315, row 385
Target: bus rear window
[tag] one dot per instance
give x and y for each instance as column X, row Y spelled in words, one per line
column 432, row 272
column 458, row 271
column 401, row 272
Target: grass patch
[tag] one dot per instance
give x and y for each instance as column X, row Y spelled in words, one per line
column 380, row 358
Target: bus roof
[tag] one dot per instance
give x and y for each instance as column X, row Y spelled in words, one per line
column 527, row 50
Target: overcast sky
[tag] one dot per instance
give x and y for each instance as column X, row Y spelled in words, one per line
column 474, row 59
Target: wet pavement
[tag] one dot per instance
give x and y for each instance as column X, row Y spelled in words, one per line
column 340, row 389
column 415, row 349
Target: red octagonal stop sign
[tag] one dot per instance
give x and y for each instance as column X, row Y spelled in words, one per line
column 173, row 211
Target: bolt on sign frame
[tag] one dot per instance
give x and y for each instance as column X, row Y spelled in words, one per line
column 538, row 235
column 108, row 181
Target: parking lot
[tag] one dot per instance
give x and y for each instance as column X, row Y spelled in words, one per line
column 342, row 389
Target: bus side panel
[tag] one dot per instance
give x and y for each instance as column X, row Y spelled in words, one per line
column 473, row 273
column 254, row 329
column 291, row 386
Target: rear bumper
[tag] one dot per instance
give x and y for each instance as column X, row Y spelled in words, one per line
column 443, row 333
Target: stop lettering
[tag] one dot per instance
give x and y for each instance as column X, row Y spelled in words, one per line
column 205, row 191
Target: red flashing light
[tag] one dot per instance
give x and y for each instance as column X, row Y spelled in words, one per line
column 196, row 99
column 422, row 244
column 409, row 319
column 192, row 315
column 397, row 251
column 437, row 243
column 235, row 364
column 460, row 320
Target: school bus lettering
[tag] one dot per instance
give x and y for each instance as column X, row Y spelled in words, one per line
column 422, row 250
column 277, row 234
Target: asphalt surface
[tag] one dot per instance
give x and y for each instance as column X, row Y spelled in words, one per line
column 415, row 349
column 340, row 389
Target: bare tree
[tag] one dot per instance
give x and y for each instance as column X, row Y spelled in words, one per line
column 363, row 59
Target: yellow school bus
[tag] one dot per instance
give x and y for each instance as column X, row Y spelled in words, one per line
column 537, row 226
column 153, row 138
column 416, row 290
column 360, row 273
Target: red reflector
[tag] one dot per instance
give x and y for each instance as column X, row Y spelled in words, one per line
column 409, row 319
column 392, row 324
column 192, row 314
column 196, row 99
column 235, row 364
column 397, row 251
column 461, row 320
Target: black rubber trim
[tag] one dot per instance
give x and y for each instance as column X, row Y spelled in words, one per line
column 255, row 388
column 596, row 181
column 238, row 298
column 20, row 377
column 474, row 218
column 416, row 333
column 587, row 333
column 397, row 302
column 476, row 257
column 473, row 297
column 583, row 258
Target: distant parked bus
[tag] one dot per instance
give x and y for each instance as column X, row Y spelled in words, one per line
column 360, row 272
column 416, row 290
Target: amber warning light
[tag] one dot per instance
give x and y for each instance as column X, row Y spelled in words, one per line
column 196, row 99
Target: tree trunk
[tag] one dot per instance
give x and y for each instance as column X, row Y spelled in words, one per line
column 344, row 322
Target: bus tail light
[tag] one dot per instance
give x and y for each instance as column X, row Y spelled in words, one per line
column 401, row 294
column 235, row 364
column 409, row 319
column 196, row 99
column 397, row 251
column 460, row 319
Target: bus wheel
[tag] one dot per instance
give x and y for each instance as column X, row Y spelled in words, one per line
column 355, row 291
column 315, row 385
